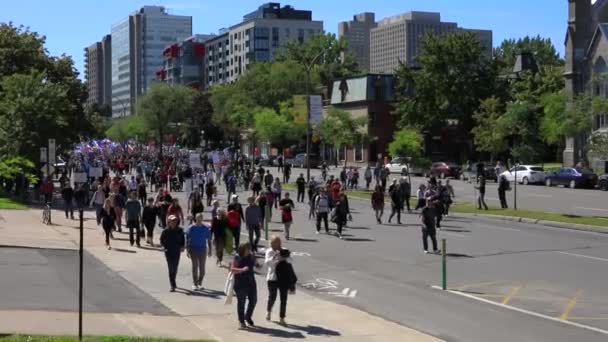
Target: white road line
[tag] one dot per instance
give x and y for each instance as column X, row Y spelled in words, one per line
column 594, row 209
column 535, row 195
column 583, row 256
column 531, row 313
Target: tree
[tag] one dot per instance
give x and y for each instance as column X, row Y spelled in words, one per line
column 452, row 76
column 162, row 105
column 561, row 120
column 131, row 127
column 407, row 142
column 488, row 137
column 597, row 146
column 340, row 129
column 278, row 128
column 542, row 49
column 21, row 50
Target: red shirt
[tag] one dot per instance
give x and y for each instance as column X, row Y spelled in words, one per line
column 175, row 210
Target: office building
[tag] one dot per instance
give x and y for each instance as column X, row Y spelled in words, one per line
column 399, row 38
column 357, row 33
column 184, row 62
column 256, row 39
column 98, row 72
column 138, row 42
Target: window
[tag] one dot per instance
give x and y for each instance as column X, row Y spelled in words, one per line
column 342, row 153
column 359, row 153
column 275, row 37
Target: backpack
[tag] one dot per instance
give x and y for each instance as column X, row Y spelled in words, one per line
column 234, row 219
column 322, row 204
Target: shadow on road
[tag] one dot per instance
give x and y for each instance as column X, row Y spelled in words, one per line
column 314, row 330
column 276, row 332
column 358, row 240
column 157, row 249
column 305, row 240
column 123, row 250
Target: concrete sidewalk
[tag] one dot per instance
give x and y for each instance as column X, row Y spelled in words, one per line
column 199, row 315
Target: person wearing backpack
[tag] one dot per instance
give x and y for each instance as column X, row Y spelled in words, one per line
column 235, row 216
column 321, row 207
column 301, row 184
column 286, row 279
column 286, row 205
column 286, row 282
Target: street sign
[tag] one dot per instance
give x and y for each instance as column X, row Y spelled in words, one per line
column 47, row 168
column 316, row 109
column 299, row 109
column 52, row 158
column 43, row 155
column 80, row 177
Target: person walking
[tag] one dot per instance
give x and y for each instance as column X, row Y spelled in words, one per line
column 133, row 217
column 420, row 195
column 503, row 187
column 378, row 203
column 256, row 184
column 148, row 220
column 396, row 201
column 271, row 260
column 481, row 192
column 244, row 284
column 173, row 241
column 142, row 194
column 219, row 224
column 268, row 179
column 301, row 185
column 286, row 205
column 209, row 190
column 108, row 219
column 312, row 187
column 119, row 204
column 97, row 201
column 198, row 242
column 368, row 177
column 427, row 218
column 175, row 209
column 405, row 189
column 235, row 217
column 67, row 194
column 450, row 196
column 321, row 208
column 341, row 213
column 277, row 188
column 254, row 221
column 195, row 204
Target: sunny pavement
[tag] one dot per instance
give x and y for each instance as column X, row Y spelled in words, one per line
column 200, row 315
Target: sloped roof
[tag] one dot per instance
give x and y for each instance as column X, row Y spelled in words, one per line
column 600, row 31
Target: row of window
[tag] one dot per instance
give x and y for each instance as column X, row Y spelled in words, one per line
column 357, row 151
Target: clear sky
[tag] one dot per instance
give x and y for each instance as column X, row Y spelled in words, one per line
column 71, row 25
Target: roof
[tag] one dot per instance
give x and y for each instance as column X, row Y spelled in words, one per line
column 600, row 31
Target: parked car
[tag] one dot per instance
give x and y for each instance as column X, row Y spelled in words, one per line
column 263, row 160
column 526, row 174
column 445, row 170
column 300, row 160
column 602, row 183
column 571, row 177
column 470, row 173
column 397, row 165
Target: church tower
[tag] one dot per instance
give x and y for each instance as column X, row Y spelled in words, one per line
column 578, row 37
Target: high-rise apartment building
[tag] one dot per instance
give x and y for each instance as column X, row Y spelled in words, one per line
column 98, row 72
column 184, row 62
column 357, row 35
column 138, row 42
column 256, row 38
column 399, row 38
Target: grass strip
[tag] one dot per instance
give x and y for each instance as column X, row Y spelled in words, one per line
column 9, row 203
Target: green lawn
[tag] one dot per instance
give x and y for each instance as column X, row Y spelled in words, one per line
column 25, row 338
column 8, row 203
column 470, row 208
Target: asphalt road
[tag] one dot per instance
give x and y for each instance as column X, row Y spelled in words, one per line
column 44, row 279
column 582, row 202
column 381, row 269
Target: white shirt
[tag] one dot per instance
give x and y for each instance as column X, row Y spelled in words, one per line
column 271, row 260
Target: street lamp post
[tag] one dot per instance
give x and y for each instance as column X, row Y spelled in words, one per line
column 308, row 70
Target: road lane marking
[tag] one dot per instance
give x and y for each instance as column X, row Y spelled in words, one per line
column 527, row 312
column 511, row 294
column 594, row 209
column 583, row 256
column 589, row 318
column 571, row 304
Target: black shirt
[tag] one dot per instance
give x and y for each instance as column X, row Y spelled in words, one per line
column 244, row 279
column 149, row 215
column 173, row 240
column 301, row 183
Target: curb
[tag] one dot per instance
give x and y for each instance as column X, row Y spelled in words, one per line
column 553, row 224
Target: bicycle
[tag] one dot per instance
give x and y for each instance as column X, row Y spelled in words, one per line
column 46, row 214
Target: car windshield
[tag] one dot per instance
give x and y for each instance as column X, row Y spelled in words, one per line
column 537, row 168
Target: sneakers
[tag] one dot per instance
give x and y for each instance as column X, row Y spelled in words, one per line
column 195, row 288
column 250, row 322
column 268, row 316
column 426, row 252
column 282, row 321
column 317, row 232
column 242, row 326
column 340, row 236
column 437, row 251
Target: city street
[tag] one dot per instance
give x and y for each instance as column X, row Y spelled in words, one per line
column 559, row 274
column 582, row 202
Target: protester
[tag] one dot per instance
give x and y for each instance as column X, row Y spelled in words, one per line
column 195, row 204
column 97, row 201
column 244, row 284
column 176, row 210
column 481, row 192
column 421, row 199
column 253, row 220
column 277, row 188
column 428, row 228
column 198, row 242
column 67, row 194
column 378, row 203
column 133, row 217
column 340, row 213
column 286, row 205
column 396, row 201
column 503, row 187
column 148, row 219
column 219, row 225
column 321, row 208
column 301, row 185
column 108, row 218
column 235, row 217
column 280, row 277
column 173, row 241
column 368, row 177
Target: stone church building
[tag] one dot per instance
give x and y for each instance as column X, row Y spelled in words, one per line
column 586, row 65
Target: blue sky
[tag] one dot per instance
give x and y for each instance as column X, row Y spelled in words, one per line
column 71, row 25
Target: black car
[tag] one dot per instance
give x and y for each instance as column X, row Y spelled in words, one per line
column 602, row 182
column 470, row 173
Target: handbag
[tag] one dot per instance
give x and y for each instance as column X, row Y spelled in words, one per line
column 229, row 289
column 228, row 241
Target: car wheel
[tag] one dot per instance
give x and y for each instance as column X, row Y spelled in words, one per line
column 572, row 184
column 548, row 182
column 525, row 181
column 604, row 186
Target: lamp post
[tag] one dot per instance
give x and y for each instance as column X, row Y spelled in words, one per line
column 308, row 70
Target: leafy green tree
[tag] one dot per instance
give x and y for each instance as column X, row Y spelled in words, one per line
column 542, row 49
column 597, row 146
column 162, row 105
column 340, row 129
column 21, row 50
column 453, row 75
column 407, row 142
column 11, row 167
column 561, row 120
column 130, row 127
column 488, row 137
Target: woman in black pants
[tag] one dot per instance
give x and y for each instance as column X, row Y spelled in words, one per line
column 108, row 220
column 244, row 284
column 173, row 241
